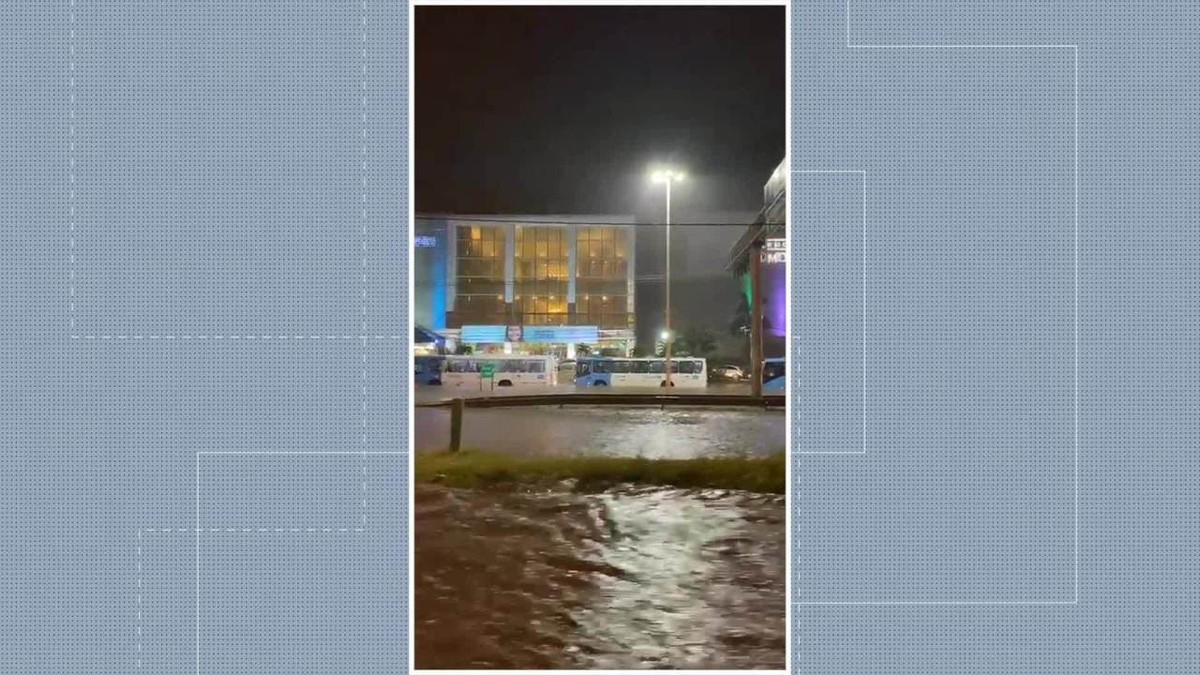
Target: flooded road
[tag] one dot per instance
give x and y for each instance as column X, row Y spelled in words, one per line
column 425, row 394
column 632, row 578
column 648, row 432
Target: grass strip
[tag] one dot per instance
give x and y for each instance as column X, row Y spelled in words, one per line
column 473, row 469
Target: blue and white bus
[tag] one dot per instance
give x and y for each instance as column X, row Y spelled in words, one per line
column 428, row 369
column 686, row 372
column 507, row 371
column 774, row 376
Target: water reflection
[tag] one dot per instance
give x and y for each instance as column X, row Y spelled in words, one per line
column 632, row 578
column 649, row 432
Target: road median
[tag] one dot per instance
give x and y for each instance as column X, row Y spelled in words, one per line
column 475, row 469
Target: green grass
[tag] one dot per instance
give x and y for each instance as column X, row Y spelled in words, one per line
column 470, row 469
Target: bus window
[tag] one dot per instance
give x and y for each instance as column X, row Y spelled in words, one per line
column 583, row 368
column 774, row 369
column 640, row 367
column 602, row 367
column 689, row 367
column 535, row 366
column 656, row 367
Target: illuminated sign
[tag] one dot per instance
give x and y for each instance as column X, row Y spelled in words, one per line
column 542, row 334
column 425, row 242
column 571, row 334
column 483, row 334
column 775, row 252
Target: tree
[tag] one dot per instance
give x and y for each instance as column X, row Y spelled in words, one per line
column 695, row 342
column 739, row 325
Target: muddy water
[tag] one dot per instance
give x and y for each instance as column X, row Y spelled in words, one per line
column 632, row 578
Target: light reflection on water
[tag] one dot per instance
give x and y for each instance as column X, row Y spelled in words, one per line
column 649, row 432
column 632, row 578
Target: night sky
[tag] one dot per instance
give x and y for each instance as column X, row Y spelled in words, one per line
column 562, row 110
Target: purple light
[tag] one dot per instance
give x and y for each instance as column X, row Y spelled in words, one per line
column 775, row 309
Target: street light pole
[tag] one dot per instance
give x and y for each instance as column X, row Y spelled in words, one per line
column 668, row 177
column 667, row 320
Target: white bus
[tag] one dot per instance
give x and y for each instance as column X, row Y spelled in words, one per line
column 507, row 371
column 686, row 372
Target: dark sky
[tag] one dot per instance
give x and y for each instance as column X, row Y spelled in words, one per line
column 562, row 110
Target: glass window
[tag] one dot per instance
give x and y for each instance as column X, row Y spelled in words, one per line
column 774, row 369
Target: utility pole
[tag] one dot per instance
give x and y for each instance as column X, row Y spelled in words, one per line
column 756, row 318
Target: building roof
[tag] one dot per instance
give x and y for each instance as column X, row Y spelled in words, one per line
column 539, row 218
column 769, row 223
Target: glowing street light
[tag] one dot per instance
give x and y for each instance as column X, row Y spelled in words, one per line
column 667, row 176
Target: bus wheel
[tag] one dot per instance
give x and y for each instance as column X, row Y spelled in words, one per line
column 436, row 383
column 504, row 383
column 599, row 384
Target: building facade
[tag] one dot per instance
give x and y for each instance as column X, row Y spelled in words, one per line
column 769, row 231
column 527, row 284
column 774, row 263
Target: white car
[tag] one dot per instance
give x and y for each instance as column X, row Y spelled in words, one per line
column 731, row 373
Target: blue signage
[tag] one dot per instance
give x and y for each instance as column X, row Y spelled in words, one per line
column 565, row 334
column 425, row 242
column 483, row 334
column 542, row 334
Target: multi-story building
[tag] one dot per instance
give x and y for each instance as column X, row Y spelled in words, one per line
column 527, row 284
column 769, row 231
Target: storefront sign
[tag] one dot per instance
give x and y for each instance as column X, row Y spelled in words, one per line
column 425, row 242
column 473, row 335
column 538, row 334
column 775, row 252
column 563, row 334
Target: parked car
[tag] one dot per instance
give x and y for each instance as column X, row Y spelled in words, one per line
column 727, row 373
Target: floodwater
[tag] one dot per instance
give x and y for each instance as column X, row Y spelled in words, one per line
column 625, row 579
column 608, row 431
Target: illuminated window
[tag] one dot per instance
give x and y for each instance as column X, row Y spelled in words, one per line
column 541, row 265
column 600, row 277
column 479, row 277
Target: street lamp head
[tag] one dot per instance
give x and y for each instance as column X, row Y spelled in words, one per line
column 666, row 176
column 665, row 335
